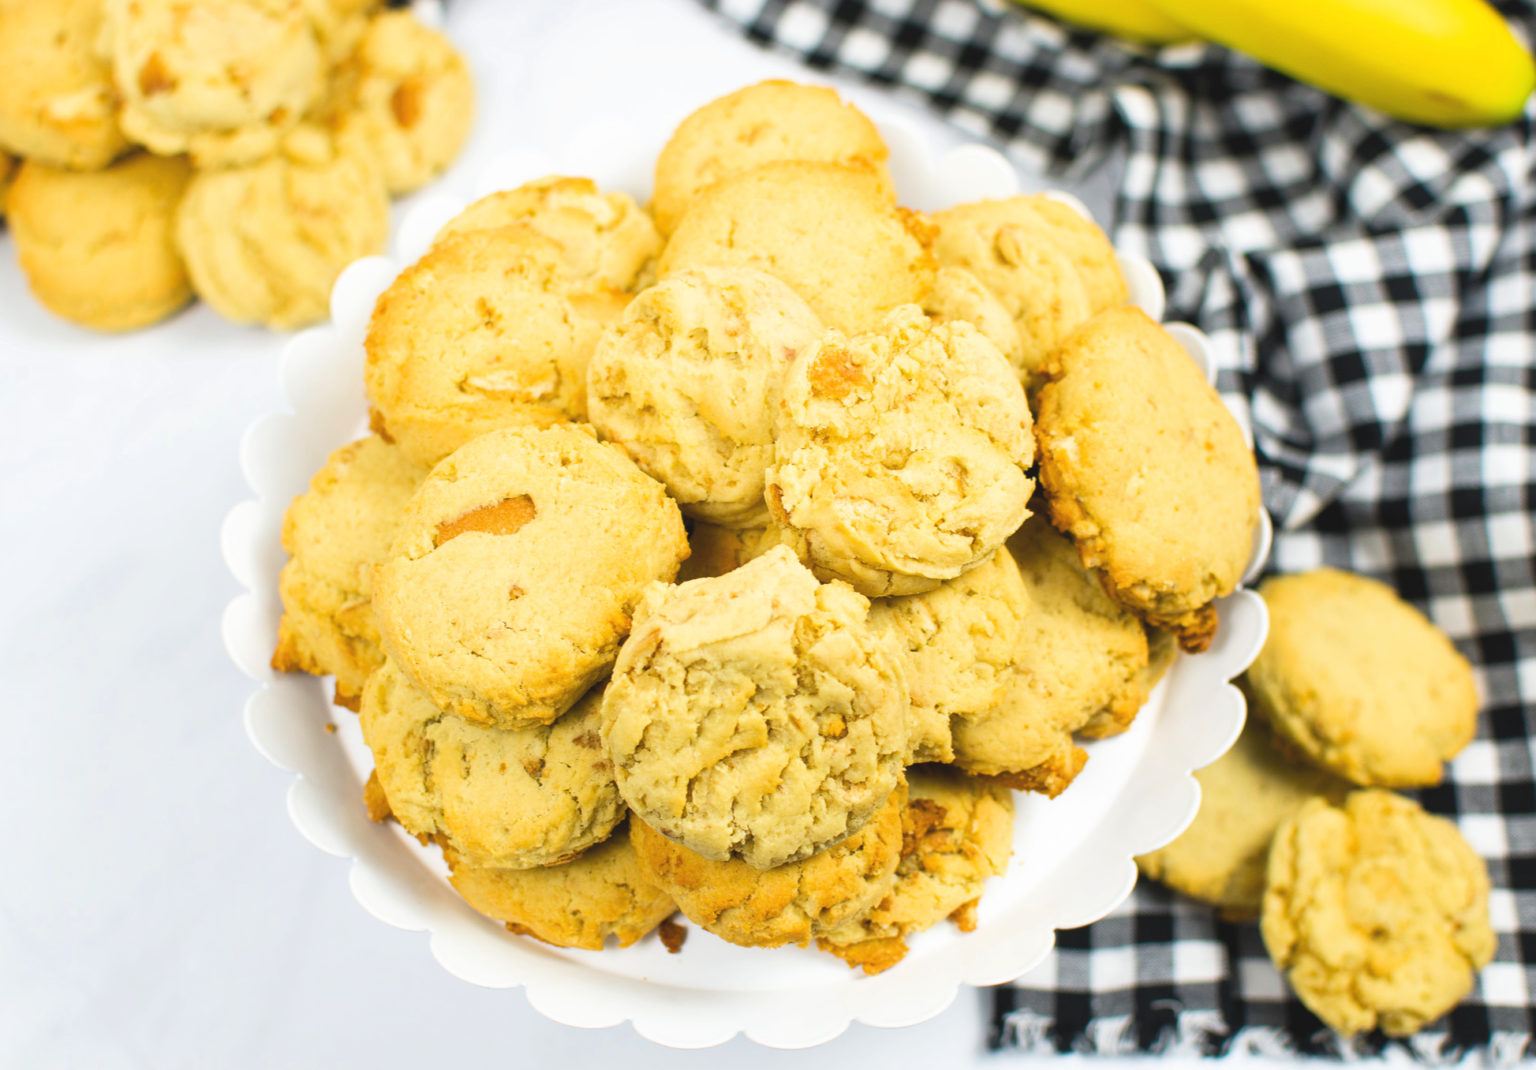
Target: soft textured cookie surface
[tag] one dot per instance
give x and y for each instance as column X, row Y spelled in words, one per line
column 756, row 714
column 1377, row 912
column 1361, row 682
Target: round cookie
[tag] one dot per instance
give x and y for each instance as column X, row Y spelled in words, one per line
column 828, row 231
column 789, row 904
column 760, row 124
column 1147, row 470
column 1359, row 681
column 1376, row 912
column 409, row 98
column 1245, row 795
column 602, row 893
column 96, row 246
column 607, row 240
column 756, row 714
column 1078, row 656
column 688, row 380
column 222, row 80
column 956, row 832
column 501, row 799
column 515, row 569
column 56, row 99
column 959, row 295
column 901, row 456
column 336, row 532
column 485, row 331
column 264, row 243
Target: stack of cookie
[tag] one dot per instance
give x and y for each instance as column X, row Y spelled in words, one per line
column 240, row 150
column 718, row 519
column 1376, row 911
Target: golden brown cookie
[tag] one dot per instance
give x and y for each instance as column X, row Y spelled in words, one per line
column 1147, row 470
column 515, row 569
column 1360, row 682
column 336, row 532
column 755, row 714
column 760, row 124
column 1376, row 912
column 828, row 231
column 97, row 246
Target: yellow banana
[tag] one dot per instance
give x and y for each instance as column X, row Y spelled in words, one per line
column 1137, row 20
column 1439, row 62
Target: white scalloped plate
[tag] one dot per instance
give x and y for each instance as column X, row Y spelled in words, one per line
column 1072, row 855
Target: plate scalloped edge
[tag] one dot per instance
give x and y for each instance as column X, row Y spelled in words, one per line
column 280, row 451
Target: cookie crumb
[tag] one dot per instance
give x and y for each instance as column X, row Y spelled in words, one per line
column 672, row 936
column 374, row 800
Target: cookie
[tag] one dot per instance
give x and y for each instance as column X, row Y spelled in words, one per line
column 1147, row 470
column 607, row 241
column 600, row 894
column 788, row 904
column 56, row 99
column 1245, row 795
column 1359, row 681
column 1118, row 715
column 901, row 456
column 757, row 125
column 828, row 231
column 336, row 532
column 96, row 246
column 483, row 332
column 688, row 380
column 501, row 799
column 755, row 714
column 223, row 80
column 409, row 99
column 264, row 243
column 1078, row 656
column 956, row 832
column 1376, row 912
column 515, row 569
column 339, row 26
column 961, row 641
column 959, row 295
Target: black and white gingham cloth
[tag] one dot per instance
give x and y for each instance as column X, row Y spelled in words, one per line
column 1370, row 289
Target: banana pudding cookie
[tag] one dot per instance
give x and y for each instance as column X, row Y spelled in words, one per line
column 1376, row 912
column 97, row 246
column 956, row 832
column 336, row 532
column 756, row 714
column 515, row 570
column 830, row 232
column 1360, row 682
column 901, row 456
column 606, row 240
column 688, row 380
column 760, row 124
column 1147, row 470
column 788, row 904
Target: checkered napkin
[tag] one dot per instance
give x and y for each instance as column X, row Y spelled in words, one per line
column 1370, row 290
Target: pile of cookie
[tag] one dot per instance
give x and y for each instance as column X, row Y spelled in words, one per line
column 240, row 150
column 738, row 555
column 1376, row 911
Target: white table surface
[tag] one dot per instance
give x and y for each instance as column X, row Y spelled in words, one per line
column 157, row 909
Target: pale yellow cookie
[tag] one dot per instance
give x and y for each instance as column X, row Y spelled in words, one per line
column 1361, row 682
column 97, row 246
column 755, row 714
column 607, row 240
column 1147, row 470
column 1118, row 715
column 760, row 124
column 959, row 295
column 515, row 570
column 688, row 380
column 901, row 456
column 956, row 832
column 336, row 532
column 1376, row 912
column 789, row 904
column 828, row 231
